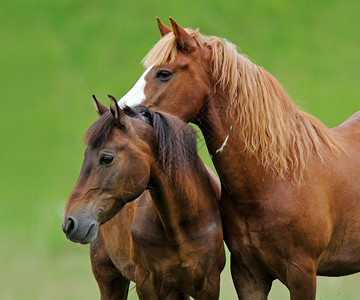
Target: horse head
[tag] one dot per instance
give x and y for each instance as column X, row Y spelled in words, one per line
column 178, row 75
column 115, row 171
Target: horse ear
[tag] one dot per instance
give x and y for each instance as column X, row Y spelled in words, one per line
column 164, row 30
column 184, row 40
column 117, row 113
column 100, row 108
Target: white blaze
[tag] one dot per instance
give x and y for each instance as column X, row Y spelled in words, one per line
column 136, row 95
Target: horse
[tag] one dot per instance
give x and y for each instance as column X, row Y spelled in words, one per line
column 290, row 186
column 148, row 206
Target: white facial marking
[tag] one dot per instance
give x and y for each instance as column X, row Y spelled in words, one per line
column 136, row 95
column 224, row 143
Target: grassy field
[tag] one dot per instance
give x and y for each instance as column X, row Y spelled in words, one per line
column 55, row 53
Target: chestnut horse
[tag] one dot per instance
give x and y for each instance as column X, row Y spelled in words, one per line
column 290, row 186
column 169, row 239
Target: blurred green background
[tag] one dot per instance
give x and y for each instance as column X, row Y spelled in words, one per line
column 55, row 53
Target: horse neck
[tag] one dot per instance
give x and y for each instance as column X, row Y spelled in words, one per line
column 227, row 148
column 176, row 203
column 272, row 144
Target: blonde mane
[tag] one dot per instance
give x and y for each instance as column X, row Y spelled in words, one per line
column 273, row 128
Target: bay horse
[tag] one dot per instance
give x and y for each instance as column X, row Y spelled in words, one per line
column 148, row 206
column 290, row 186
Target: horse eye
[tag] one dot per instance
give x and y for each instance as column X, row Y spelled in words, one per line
column 106, row 159
column 163, row 75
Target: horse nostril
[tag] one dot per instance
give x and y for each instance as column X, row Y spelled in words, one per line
column 70, row 225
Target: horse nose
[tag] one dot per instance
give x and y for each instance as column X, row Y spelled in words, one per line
column 69, row 226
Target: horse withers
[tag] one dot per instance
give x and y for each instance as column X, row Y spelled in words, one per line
column 148, row 206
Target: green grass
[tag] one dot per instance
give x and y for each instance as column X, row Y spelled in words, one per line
column 55, row 54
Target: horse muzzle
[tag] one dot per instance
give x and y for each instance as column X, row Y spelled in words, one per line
column 80, row 230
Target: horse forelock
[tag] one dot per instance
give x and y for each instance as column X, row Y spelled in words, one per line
column 166, row 50
column 273, row 128
column 100, row 130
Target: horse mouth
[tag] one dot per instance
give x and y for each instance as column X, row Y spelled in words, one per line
column 84, row 234
column 91, row 234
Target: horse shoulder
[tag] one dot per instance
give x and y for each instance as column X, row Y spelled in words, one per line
column 294, row 207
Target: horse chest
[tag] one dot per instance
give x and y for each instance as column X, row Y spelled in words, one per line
column 164, row 261
column 147, row 231
column 169, row 263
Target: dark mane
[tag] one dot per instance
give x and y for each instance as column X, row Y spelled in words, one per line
column 176, row 143
column 176, row 147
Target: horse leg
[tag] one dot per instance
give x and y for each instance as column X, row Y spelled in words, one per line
column 112, row 284
column 212, row 288
column 250, row 285
column 118, row 288
column 144, row 286
column 301, row 278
